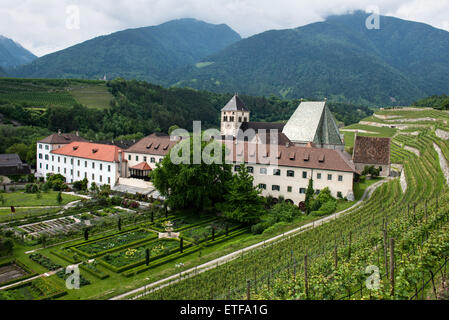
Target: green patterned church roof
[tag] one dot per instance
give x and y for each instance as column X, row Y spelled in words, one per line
column 313, row 122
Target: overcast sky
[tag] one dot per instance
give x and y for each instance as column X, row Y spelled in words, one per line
column 45, row 26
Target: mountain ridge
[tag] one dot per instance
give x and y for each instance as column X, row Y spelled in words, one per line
column 12, row 54
column 141, row 53
column 338, row 58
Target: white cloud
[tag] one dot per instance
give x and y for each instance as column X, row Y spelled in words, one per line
column 40, row 25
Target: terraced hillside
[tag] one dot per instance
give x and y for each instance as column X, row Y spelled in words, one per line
column 400, row 236
column 43, row 93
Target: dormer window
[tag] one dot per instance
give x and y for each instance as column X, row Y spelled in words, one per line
column 157, row 146
column 321, row 159
column 94, row 150
column 149, row 145
column 75, row 148
column 306, row 156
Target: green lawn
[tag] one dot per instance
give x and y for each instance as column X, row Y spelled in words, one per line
column 21, row 199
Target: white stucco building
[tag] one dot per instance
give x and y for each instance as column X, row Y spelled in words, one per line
column 286, row 170
column 99, row 163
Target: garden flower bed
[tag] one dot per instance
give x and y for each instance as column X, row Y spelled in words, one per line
column 204, row 232
column 133, row 257
column 44, row 261
column 83, row 281
column 93, row 270
column 115, row 242
column 37, row 289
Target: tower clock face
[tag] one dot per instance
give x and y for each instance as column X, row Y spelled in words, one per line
column 228, row 125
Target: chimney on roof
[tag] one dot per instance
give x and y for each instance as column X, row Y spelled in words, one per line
column 59, row 132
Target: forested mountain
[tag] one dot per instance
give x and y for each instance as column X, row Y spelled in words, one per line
column 148, row 53
column 13, row 54
column 339, row 59
column 138, row 108
column 437, row 102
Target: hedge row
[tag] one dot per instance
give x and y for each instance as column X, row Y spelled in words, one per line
column 186, row 226
column 98, row 275
column 64, row 257
column 230, row 230
column 82, row 242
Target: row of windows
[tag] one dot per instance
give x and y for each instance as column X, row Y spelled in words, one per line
column 77, row 173
column 78, row 162
column 46, row 146
column 152, row 159
column 290, row 173
column 275, row 187
column 231, row 119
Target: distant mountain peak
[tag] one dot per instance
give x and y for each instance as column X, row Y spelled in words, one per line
column 13, row 54
column 146, row 53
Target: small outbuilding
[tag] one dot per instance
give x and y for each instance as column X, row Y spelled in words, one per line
column 372, row 151
column 11, row 165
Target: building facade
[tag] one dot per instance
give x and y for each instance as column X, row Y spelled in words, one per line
column 286, row 171
column 146, row 153
column 99, row 163
column 44, row 160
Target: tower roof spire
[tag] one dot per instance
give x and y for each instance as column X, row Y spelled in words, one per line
column 235, row 104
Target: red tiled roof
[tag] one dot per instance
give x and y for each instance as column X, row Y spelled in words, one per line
column 371, row 150
column 141, row 166
column 292, row 156
column 88, row 150
column 156, row 144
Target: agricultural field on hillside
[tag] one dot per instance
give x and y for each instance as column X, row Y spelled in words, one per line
column 34, row 93
column 39, row 94
column 91, row 95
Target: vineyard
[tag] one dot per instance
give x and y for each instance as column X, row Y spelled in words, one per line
column 400, row 239
column 39, row 94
